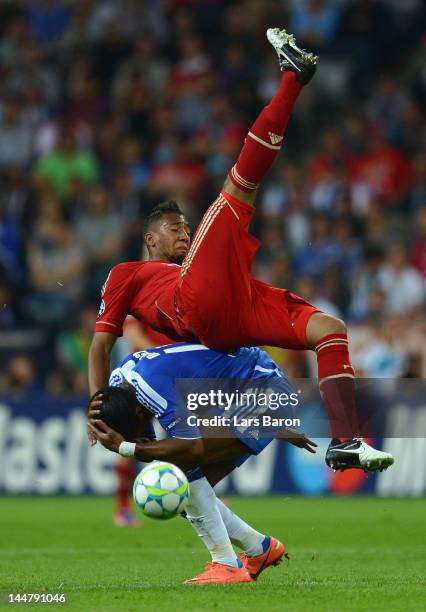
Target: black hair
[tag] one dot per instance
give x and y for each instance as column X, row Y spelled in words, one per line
column 158, row 211
column 118, row 411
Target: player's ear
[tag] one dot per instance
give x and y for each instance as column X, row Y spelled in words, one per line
column 150, row 239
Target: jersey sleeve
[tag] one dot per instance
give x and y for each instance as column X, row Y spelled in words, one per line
column 116, row 297
column 174, row 417
column 156, row 392
column 180, row 425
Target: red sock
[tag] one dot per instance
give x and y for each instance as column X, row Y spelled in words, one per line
column 125, row 471
column 337, row 384
column 263, row 142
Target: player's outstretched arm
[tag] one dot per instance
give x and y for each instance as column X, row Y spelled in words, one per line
column 183, row 453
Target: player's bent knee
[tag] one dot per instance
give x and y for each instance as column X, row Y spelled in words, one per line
column 321, row 325
column 335, row 326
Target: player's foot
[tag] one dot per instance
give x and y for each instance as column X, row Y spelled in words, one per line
column 290, row 57
column 217, row 573
column 272, row 556
column 126, row 518
column 356, row 453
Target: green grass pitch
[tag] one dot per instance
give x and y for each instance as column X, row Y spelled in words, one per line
column 346, row 554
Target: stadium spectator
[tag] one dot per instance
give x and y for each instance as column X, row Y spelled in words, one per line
column 14, row 37
column 418, row 251
column 382, row 358
column 55, row 264
column 7, row 307
column 47, row 20
column 365, row 33
column 63, row 381
column 19, row 376
column 32, row 70
column 15, row 135
column 314, row 22
column 321, row 251
column 11, row 242
column 99, row 220
column 418, row 193
column 366, row 284
column 143, row 65
column 387, row 106
column 65, row 163
column 402, row 284
column 307, row 286
column 72, row 348
column 384, row 171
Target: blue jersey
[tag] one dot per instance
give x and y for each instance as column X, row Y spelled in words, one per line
column 153, row 373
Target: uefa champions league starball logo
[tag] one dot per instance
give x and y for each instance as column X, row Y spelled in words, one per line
column 101, row 308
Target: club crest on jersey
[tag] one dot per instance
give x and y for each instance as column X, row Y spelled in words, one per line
column 101, row 308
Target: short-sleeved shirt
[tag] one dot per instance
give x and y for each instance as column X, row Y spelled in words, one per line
column 153, row 373
column 144, row 289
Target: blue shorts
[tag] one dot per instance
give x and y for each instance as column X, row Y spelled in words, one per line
column 254, row 447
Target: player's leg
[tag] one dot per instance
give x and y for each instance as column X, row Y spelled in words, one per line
column 215, row 273
column 328, row 337
column 259, row 551
column 281, row 318
column 125, row 474
column 265, row 137
column 204, row 515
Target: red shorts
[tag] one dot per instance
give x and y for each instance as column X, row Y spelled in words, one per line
column 218, row 299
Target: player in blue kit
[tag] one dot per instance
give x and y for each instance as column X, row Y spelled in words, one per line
column 144, row 385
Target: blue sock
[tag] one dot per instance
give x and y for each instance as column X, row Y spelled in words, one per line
column 265, row 543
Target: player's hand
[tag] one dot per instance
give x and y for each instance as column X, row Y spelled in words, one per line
column 299, row 439
column 109, row 438
column 93, row 412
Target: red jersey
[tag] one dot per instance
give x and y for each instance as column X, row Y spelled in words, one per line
column 146, row 290
column 154, row 338
column 212, row 298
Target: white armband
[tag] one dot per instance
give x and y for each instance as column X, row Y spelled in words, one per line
column 127, row 449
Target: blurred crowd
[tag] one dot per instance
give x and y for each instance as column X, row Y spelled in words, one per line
column 109, row 106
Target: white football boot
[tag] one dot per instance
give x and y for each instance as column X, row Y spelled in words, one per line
column 290, row 57
column 356, row 453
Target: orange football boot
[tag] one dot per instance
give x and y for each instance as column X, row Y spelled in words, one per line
column 217, row 573
column 272, row 556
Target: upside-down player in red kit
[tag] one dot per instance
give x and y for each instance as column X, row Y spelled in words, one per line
column 206, row 293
